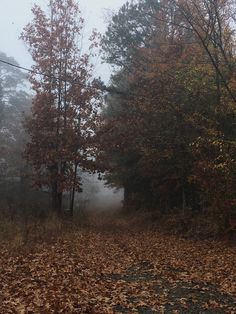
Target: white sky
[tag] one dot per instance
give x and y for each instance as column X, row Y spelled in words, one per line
column 15, row 14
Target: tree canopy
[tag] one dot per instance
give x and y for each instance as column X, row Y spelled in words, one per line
column 171, row 104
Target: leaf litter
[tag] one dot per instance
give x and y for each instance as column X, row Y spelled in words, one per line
column 109, row 266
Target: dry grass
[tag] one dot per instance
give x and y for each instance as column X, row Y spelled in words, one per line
column 25, row 233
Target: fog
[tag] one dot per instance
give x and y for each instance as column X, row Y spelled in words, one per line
column 97, row 195
column 14, row 15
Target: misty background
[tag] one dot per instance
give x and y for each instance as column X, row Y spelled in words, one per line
column 14, row 16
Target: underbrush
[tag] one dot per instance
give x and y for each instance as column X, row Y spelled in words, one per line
column 191, row 225
column 28, row 232
column 201, row 225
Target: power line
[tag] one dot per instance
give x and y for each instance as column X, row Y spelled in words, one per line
column 72, row 82
column 37, row 72
column 28, row 70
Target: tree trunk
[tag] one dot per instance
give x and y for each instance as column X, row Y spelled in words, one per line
column 72, row 197
column 183, row 200
column 56, row 200
column 72, row 201
column 126, row 194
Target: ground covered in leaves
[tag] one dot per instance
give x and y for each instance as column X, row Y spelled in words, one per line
column 110, row 266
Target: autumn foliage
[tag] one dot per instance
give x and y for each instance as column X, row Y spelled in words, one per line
column 170, row 112
column 66, row 101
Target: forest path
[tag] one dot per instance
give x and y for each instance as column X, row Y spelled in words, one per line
column 110, row 266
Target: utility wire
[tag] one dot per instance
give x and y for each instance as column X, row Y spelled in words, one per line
column 72, row 82
column 26, row 69
column 37, row 72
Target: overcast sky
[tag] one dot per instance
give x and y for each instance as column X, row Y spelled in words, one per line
column 15, row 14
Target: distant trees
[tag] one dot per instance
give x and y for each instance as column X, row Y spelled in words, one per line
column 14, row 100
column 168, row 121
column 65, row 105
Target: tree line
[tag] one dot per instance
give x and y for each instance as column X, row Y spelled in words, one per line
column 164, row 129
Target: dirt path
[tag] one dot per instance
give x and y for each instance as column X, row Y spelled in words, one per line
column 110, row 266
